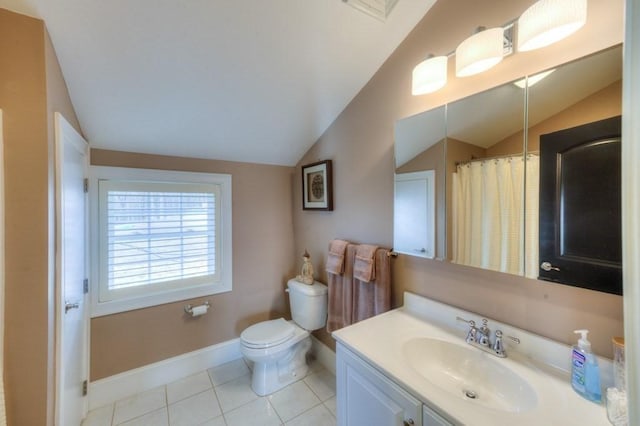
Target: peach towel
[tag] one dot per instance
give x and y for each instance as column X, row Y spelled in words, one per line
column 335, row 259
column 374, row 297
column 340, row 293
column 364, row 267
column 352, row 300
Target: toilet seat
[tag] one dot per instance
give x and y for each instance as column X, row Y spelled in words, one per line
column 267, row 334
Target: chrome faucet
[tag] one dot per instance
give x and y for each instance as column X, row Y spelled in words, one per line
column 481, row 338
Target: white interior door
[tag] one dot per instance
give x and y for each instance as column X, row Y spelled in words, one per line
column 71, row 272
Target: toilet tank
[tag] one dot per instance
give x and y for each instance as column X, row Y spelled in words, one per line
column 308, row 304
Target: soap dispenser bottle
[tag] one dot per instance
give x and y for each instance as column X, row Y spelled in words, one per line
column 585, row 374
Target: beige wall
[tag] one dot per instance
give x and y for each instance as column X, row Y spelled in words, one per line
column 31, row 88
column 603, row 104
column 263, row 260
column 360, row 143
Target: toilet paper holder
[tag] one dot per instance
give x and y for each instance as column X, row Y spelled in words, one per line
column 189, row 309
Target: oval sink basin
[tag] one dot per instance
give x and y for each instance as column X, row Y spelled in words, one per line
column 469, row 373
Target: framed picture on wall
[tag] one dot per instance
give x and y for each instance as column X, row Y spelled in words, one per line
column 317, row 185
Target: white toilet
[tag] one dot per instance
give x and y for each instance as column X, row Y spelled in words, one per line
column 278, row 347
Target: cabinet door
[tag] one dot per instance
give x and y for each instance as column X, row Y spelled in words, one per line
column 368, row 405
column 431, row 418
column 368, row 398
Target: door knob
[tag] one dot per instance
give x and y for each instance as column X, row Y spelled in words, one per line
column 409, row 422
column 546, row 266
column 68, row 306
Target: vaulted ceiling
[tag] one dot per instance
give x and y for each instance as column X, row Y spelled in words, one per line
column 240, row 80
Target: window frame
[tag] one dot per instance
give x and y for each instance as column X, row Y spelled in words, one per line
column 158, row 294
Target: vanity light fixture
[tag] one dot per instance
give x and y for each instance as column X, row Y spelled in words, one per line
column 543, row 23
column 549, row 21
column 429, row 75
column 532, row 79
column 480, row 52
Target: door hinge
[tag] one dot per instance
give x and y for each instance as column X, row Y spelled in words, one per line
column 85, row 286
column 84, row 388
column 86, row 185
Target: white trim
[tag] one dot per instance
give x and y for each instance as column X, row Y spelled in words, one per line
column 124, row 173
column 631, row 205
column 323, row 354
column 111, row 389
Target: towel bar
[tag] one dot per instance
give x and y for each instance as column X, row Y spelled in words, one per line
column 392, row 253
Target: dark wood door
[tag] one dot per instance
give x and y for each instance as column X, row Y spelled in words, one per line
column 580, row 205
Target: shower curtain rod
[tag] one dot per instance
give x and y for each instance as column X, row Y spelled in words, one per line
column 495, row 157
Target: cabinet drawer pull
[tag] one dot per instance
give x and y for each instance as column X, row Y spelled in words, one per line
column 409, row 422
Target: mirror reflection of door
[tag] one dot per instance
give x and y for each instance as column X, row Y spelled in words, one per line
column 580, row 92
column 414, row 214
column 580, row 206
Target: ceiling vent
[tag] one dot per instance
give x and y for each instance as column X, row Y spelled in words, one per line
column 379, row 9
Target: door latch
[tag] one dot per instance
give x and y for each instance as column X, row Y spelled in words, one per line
column 68, row 306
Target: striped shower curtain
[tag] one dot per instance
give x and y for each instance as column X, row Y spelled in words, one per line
column 488, row 214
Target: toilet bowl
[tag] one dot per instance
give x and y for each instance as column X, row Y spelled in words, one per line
column 278, row 348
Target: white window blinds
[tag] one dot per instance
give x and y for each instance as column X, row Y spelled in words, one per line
column 157, row 236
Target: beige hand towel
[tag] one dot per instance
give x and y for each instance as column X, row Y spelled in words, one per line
column 335, row 259
column 374, row 297
column 340, row 309
column 364, row 265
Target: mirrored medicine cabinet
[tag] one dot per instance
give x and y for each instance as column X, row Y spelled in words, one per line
column 482, row 205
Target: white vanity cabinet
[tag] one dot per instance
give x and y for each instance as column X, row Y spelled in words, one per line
column 368, row 398
column 431, row 418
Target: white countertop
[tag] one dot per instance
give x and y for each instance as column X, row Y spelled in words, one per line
column 540, row 361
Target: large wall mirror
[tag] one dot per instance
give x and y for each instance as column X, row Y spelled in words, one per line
column 485, row 153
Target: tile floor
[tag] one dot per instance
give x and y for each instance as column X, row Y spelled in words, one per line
column 222, row 396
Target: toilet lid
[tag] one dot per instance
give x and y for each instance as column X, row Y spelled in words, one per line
column 267, row 333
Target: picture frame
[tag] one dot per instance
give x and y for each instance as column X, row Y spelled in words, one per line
column 317, row 186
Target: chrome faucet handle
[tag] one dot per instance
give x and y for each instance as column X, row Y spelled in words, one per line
column 473, row 331
column 472, row 334
column 483, row 337
column 498, row 345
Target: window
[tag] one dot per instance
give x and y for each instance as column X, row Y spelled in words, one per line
column 162, row 236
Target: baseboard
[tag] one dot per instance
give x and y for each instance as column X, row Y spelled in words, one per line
column 323, row 354
column 110, row 389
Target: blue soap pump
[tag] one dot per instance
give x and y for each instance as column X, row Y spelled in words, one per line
column 585, row 374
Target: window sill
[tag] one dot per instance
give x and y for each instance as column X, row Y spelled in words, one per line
column 99, row 309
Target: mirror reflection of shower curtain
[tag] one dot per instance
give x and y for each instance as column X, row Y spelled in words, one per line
column 488, row 215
